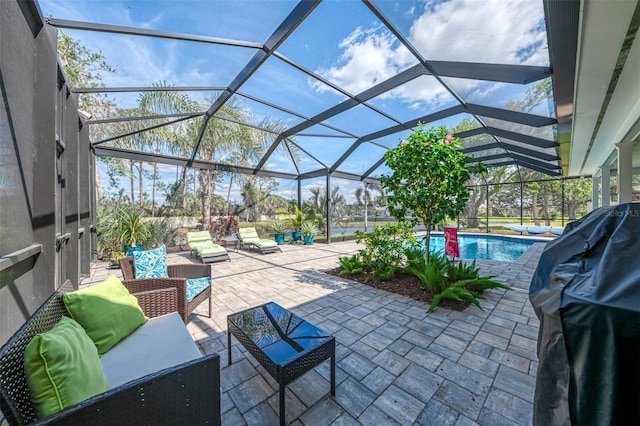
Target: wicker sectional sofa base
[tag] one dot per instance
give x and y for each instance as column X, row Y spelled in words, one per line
column 185, row 393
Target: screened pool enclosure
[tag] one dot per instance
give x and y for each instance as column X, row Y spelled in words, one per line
column 245, row 105
column 208, row 109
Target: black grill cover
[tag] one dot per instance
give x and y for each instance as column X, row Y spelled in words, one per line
column 586, row 293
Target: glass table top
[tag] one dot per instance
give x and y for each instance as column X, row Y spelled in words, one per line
column 280, row 334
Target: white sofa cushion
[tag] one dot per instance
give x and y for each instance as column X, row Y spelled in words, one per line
column 160, row 343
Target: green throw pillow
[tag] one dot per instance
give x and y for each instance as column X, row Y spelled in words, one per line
column 107, row 312
column 62, row 368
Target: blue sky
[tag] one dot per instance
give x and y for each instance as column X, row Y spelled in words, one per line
column 342, row 41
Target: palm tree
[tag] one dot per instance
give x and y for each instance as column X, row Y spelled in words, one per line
column 244, row 154
column 175, row 138
column 364, row 195
column 135, row 141
column 318, row 202
column 221, row 138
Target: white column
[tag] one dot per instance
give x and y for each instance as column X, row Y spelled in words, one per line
column 595, row 192
column 605, row 174
column 625, row 171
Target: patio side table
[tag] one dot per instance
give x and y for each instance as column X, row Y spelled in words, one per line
column 233, row 240
column 286, row 345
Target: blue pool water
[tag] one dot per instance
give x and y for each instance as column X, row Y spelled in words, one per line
column 490, row 247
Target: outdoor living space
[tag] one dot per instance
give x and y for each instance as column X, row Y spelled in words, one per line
column 336, row 134
column 396, row 363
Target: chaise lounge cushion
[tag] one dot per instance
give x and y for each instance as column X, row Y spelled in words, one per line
column 151, row 263
column 263, row 243
column 198, row 236
column 106, row 311
column 250, row 236
column 160, row 343
column 208, row 250
column 62, row 368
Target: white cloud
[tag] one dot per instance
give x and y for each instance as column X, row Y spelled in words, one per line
column 368, row 57
column 489, row 31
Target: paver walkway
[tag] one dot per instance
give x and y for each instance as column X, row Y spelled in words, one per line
column 396, row 364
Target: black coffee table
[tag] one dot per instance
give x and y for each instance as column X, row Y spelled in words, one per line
column 286, row 345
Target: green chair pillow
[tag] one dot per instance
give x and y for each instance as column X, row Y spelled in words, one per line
column 107, row 312
column 62, row 368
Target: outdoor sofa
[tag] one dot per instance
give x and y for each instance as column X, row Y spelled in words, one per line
column 156, row 374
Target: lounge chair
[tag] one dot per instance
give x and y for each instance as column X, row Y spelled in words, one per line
column 250, row 238
column 201, row 244
column 517, row 228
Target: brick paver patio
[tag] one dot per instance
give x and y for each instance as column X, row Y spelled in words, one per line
column 396, row 364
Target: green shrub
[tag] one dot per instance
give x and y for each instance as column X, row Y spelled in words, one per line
column 351, row 265
column 385, row 248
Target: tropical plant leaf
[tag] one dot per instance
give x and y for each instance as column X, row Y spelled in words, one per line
column 485, row 283
column 351, row 265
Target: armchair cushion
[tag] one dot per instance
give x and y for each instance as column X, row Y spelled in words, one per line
column 62, row 368
column 195, row 286
column 151, row 263
column 107, row 312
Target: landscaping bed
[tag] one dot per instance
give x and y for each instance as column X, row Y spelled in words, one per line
column 404, row 285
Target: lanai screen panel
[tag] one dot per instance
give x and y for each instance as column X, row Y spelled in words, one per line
column 299, row 71
column 485, row 31
column 143, row 61
column 253, row 21
column 324, row 148
column 362, row 158
column 415, row 98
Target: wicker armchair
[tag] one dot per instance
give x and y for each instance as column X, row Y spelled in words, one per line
column 178, row 275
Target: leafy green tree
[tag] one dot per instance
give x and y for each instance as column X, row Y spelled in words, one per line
column 83, row 68
column 429, row 178
column 576, row 194
column 256, row 192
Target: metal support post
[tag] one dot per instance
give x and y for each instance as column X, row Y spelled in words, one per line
column 328, row 197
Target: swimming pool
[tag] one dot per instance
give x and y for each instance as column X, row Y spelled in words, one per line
column 490, row 247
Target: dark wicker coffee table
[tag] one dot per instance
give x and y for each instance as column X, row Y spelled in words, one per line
column 283, row 343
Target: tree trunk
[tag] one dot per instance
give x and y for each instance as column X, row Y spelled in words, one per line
column 545, row 204
column 140, row 186
column 153, row 190
column 99, row 189
column 366, row 219
column 473, row 205
column 229, row 194
column 427, row 241
column 571, row 210
column 534, row 209
column 133, row 194
column 206, row 183
column 184, row 188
